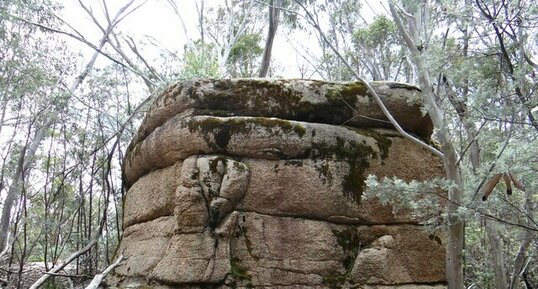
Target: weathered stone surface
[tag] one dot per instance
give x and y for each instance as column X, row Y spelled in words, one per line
column 406, row 161
column 289, row 244
column 302, row 100
column 283, row 251
column 145, row 244
column 211, row 187
column 152, row 196
column 320, row 185
column 397, row 256
column 257, row 184
column 191, row 210
column 410, row 286
column 193, row 258
column 266, row 138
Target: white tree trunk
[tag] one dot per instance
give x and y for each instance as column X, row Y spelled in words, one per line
column 497, row 256
column 96, row 281
column 456, row 226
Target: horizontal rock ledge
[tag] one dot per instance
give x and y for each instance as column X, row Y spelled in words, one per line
column 256, row 137
column 297, row 99
column 305, row 188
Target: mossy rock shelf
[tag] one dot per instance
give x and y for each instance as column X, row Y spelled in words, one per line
column 336, row 103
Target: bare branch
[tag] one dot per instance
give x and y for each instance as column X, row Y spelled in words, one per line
column 99, row 277
column 371, row 91
column 86, row 42
column 71, row 258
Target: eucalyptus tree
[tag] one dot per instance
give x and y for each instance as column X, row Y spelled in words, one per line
column 228, row 24
column 228, row 31
column 342, row 18
column 38, row 106
column 372, row 50
column 33, row 76
column 458, row 102
column 379, row 51
column 199, row 60
column 242, row 61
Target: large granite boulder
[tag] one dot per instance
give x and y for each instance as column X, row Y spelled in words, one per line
column 258, row 184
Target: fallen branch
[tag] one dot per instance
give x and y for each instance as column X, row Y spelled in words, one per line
column 75, row 255
column 99, row 277
column 66, row 275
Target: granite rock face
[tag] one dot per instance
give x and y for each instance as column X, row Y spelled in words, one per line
column 258, row 184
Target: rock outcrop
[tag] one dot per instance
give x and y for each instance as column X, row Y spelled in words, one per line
column 258, row 184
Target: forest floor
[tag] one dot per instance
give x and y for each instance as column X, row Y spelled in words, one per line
column 67, row 278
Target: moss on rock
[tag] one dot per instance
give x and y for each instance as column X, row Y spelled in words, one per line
column 239, row 274
column 218, row 131
column 383, row 142
column 335, row 281
column 357, row 155
column 285, row 99
column 349, row 240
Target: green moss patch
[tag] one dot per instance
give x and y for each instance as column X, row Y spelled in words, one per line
column 350, row 242
column 239, row 274
column 335, row 281
column 218, row 131
column 249, row 97
column 356, row 154
column 283, row 99
column 383, row 143
column 336, row 108
column 324, row 171
column 346, row 91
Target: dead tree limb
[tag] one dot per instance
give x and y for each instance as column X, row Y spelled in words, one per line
column 99, row 277
column 71, row 258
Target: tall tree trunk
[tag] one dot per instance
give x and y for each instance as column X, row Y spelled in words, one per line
column 456, row 226
column 526, row 241
column 274, row 14
column 497, row 256
column 10, row 199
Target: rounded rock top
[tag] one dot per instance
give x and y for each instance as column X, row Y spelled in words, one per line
column 337, row 103
column 228, row 107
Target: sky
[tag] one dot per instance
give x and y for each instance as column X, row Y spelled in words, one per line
column 155, row 19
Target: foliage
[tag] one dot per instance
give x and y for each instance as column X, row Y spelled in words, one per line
column 421, row 199
column 199, row 61
column 381, row 51
column 244, row 55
